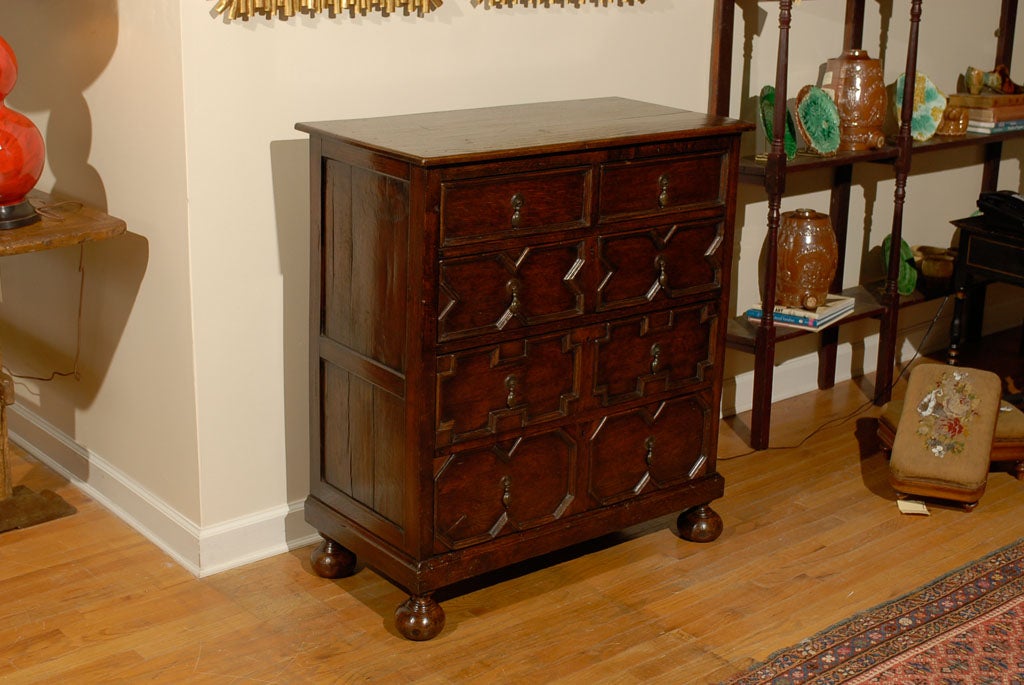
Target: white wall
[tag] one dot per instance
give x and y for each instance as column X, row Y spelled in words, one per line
column 190, row 418
column 103, row 82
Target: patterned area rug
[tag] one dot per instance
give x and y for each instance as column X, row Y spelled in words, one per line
column 966, row 628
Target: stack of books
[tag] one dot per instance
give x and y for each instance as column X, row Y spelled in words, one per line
column 835, row 308
column 991, row 112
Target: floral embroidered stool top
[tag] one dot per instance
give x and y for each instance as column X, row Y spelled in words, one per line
column 944, row 436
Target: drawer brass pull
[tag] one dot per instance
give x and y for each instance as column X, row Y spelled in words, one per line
column 513, row 288
column 649, row 444
column 511, row 384
column 506, row 494
column 663, row 195
column 517, row 204
column 662, row 271
column 655, row 357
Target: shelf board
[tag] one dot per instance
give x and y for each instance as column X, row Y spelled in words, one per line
column 742, row 332
column 967, row 140
column 752, row 169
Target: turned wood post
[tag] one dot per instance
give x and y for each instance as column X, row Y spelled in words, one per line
column 6, row 398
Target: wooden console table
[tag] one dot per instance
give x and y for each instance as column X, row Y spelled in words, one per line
column 62, row 224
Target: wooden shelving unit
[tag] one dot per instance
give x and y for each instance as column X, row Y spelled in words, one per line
column 742, row 333
column 882, row 303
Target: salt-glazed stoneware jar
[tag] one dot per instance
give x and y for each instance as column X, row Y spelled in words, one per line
column 857, row 83
column 807, row 258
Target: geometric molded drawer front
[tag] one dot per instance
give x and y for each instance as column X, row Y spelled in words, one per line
column 489, row 208
column 663, row 351
column 510, row 486
column 505, row 290
column 673, row 261
column 647, row 188
column 654, row 447
column 513, row 385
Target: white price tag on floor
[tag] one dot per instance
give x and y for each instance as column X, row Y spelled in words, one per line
column 912, row 506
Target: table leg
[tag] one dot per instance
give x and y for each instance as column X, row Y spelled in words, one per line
column 19, row 506
column 956, row 326
column 6, row 398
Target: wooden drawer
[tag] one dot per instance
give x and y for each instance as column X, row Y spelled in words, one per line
column 505, row 290
column 657, row 446
column 664, row 184
column 488, row 390
column 663, row 351
column 498, row 207
column 671, row 261
column 503, row 488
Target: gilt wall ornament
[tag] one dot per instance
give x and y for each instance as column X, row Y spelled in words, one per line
column 557, row 3
column 270, row 9
column 244, row 9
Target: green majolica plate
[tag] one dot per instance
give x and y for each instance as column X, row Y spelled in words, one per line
column 767, row 109
column 817, row 118
column 929, row 106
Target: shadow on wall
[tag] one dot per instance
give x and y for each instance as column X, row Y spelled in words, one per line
column 62, row 47
column 289, row 161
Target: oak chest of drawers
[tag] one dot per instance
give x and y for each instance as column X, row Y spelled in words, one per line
column 517, row 320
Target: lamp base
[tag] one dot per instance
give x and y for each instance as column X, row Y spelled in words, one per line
column 15, row 216
column 25, row 508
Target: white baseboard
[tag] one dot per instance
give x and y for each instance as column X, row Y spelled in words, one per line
column 251, row 538
column 203, row 551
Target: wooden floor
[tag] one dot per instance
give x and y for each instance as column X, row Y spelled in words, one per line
column 812, row 534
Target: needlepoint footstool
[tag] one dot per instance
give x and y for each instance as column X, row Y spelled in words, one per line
column 1007, row 443
column 943, row 438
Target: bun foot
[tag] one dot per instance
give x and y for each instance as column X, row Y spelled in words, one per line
column 419, row 618
column 700, row 524
column 331, row 560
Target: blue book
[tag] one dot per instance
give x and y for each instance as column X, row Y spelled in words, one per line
column 800, row 321
column 835, row 308
column 995, row 126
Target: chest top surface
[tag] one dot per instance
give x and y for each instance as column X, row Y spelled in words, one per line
column 438, row 138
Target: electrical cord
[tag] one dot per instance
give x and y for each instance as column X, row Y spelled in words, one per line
column 839, row 420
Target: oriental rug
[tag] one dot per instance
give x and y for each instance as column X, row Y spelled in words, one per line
column 965, row 628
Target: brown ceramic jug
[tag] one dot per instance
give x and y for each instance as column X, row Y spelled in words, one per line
column 857, row 84
column 807, row 258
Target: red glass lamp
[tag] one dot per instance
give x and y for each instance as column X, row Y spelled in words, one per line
column 21, row 151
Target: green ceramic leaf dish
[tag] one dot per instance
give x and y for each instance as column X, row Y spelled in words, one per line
column 817, row 118
column 767, row 109
column 929, row 106
column 906, row 280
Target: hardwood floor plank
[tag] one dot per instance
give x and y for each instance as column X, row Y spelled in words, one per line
column 812, row 535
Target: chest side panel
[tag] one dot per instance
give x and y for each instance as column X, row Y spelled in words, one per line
column 362, row 345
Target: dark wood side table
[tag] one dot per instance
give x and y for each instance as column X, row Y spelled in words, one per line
column 984, row 254
column 62, row 224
